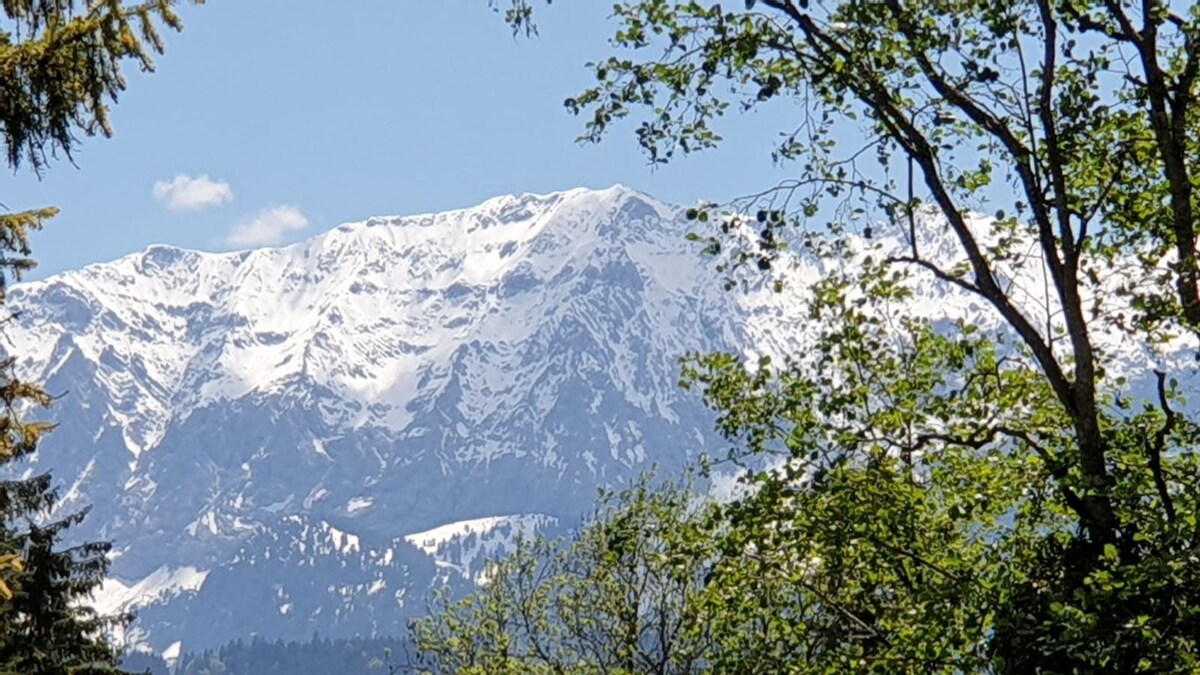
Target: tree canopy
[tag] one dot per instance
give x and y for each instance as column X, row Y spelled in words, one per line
column 1007, row 490
column 621, row 596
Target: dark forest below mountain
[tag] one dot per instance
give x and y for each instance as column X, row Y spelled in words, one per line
column 320, row 656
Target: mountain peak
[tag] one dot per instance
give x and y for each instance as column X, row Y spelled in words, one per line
column 360, row 309
column 253, row 427
column 385, row 377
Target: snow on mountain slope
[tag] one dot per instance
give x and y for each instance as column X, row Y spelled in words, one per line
column 116, row 596
column 465, row 546
column 309, row 426
column 362, row 308
column 380, row 379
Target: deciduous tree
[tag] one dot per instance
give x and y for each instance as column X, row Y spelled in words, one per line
column 622, row 595
column 1009, row 489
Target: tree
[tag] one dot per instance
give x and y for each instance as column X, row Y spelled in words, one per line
column 48, row 627
column 621, row 595
column 60, row 64
column 1013, row 494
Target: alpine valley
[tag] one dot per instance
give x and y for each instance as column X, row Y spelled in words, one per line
column 309, row 438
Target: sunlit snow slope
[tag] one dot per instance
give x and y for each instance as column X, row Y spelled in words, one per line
column 299, row 439
column 276, row 422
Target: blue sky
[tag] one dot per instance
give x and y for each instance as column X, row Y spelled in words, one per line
column 303, row 117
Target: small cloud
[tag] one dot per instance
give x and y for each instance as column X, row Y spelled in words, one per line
column 266, row 227
column 188, row 193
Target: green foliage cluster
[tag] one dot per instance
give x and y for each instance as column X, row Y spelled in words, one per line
column 930, row 495
column 620, row 597
column 59, row 69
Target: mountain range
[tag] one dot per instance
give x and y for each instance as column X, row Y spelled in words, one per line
column 287, row 440
column 309, row 438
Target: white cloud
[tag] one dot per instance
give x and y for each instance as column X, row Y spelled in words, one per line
column 188, row 193
column 266, row 227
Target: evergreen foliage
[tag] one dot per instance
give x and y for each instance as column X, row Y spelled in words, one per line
column 48, row 627
column 931, row 495
column 358, row 656
column 143, row 663
column 60, row 67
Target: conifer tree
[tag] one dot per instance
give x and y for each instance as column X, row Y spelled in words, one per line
column 48, row 627
column 60, row 69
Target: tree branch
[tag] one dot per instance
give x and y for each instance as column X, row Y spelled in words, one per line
column 1156, row 449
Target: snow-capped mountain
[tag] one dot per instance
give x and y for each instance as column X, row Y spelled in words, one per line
column 288, row 440
column 270, row 436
